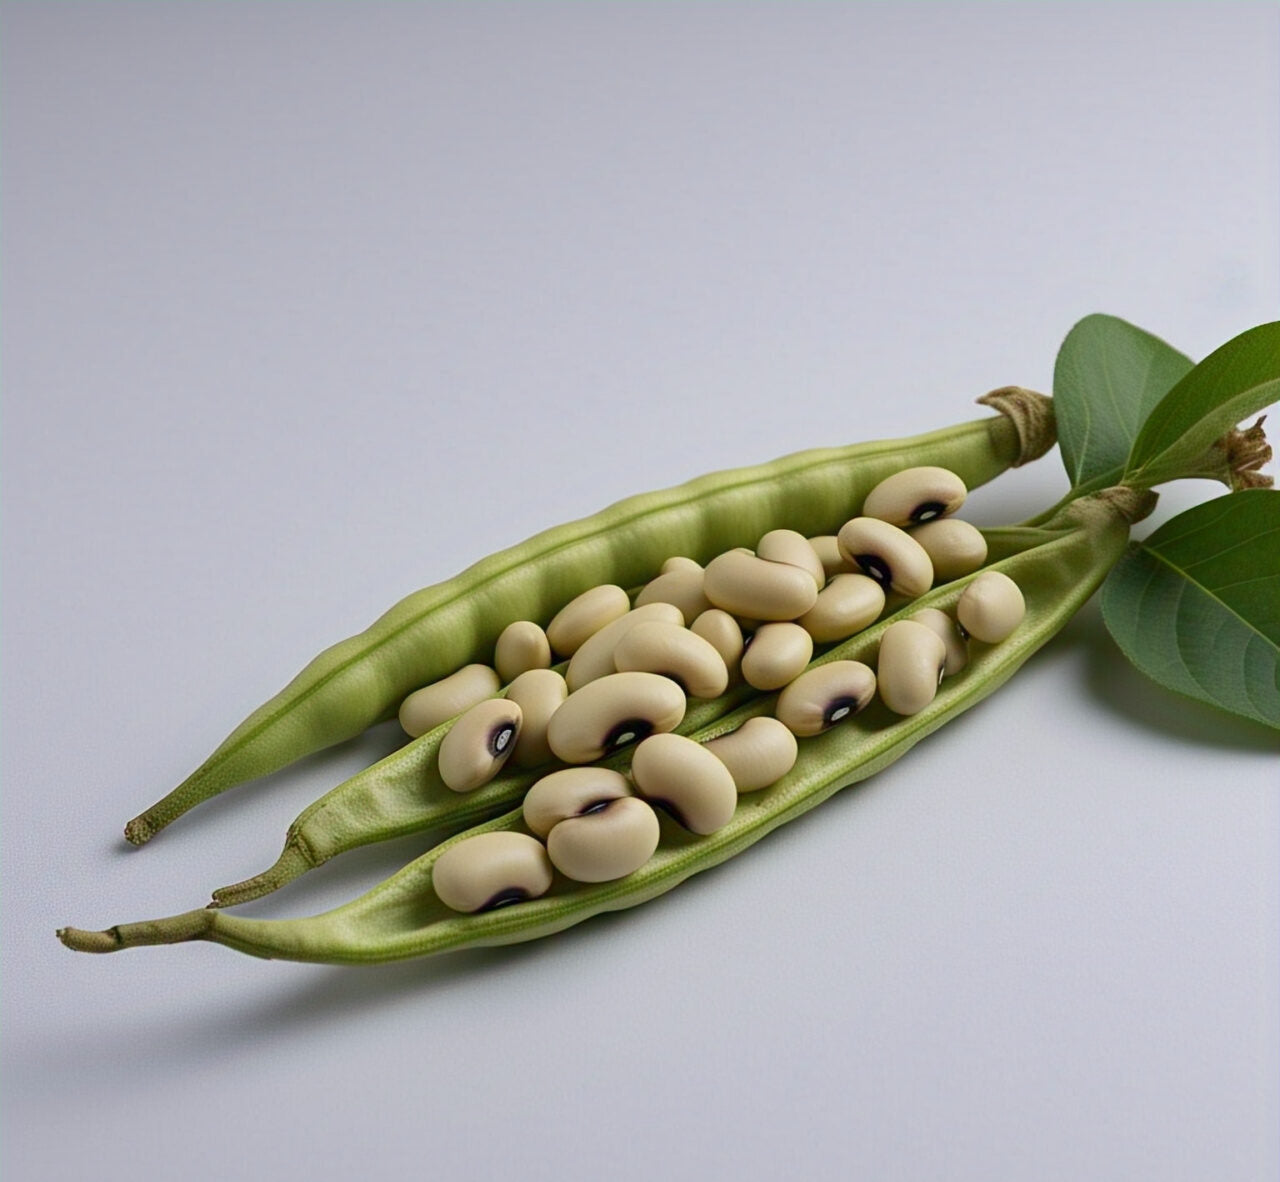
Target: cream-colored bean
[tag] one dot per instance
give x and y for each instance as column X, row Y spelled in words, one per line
column 479, row 743
column 990, row 607
column 491, row 870
column 956, row 645
column 607, row 844
column 678, row 562
column 539, row 693
column 681, row 587
column 915, row 495
column 745, row 585
column 595, row 658
column 759, row 753
column 845, row 605
column 827, row 548
column 825, row 696
column 910, row 666
column 721, row 631
column 887, row 554
column 675, row 652
column 425, row 709
column 584, row 616
column 777, row 654
column 613, row 711
column 786, row 545
column 572, row 792
column 686, row 780
column 521, row 646
column 954, row 547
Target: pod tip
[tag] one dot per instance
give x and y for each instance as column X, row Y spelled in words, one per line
column 79, row 940
column 139, row 831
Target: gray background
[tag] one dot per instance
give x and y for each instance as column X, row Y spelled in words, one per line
column 306, row 306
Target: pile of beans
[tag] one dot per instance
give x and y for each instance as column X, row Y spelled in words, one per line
column 754, row 616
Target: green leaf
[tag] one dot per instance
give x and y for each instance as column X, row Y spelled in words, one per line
column 1229, row 385
column 1108, row 376
column 1196, row 606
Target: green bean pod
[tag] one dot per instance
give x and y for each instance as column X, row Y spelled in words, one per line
column 403, row 918
column 429, row 634
column 403, row 794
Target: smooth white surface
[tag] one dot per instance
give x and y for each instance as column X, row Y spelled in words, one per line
column 306, row 306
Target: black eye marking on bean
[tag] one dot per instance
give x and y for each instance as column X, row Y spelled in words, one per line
column 632, row 730
column 596, row 806
column 501, row 738
column 928, row 511
column 875, row 567
column 505, row 898
column 840, row 709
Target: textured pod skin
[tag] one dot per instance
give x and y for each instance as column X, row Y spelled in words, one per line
column 491, row 870
column 1056, row 575
column 362, row 680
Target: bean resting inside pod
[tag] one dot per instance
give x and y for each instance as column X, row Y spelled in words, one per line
column 584, row 616
column 425, row 709
column 910, row 666
column 990, row 607
column 612, row 712
column 887, row 554
column 685, row 779
column 825, row 696
column 491, row 870
column 690, row 661
column 759, row 753
column 758, row 589
column 915, row 495
column 777, row 654
column 954, row 547
column 479, row 743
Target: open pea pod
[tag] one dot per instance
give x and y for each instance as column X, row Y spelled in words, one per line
column 402, row 917
column 403, row 793
column 429, row 634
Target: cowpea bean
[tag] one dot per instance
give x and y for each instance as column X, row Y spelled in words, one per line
column 584, row 616
column 522, row 646
column 678, row 562
column 746, row 585
column 954, row 547
column 429, row 634
column 425, row 709
column 606, row 844
column 791, row 547
column 945, row 627
column 539, row 693
column 686, row 780
column 827, row 548
column 721, row 631
column 491, row 870
column 479, row 743
column 1058, row 568
column 777, row 654
column 612, row 712
column 990, row 607
column 681, row 587
column 674, row 652
column 825, row 696
column 573, row 792
column 845, row 605
column 595, row 658
column 887, row 554
column 759, row 753
column 911, row 663
column 915, row 495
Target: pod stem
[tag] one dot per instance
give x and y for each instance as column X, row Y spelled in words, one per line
column 294, row 861
column 175, row 929
column 1032, row 416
